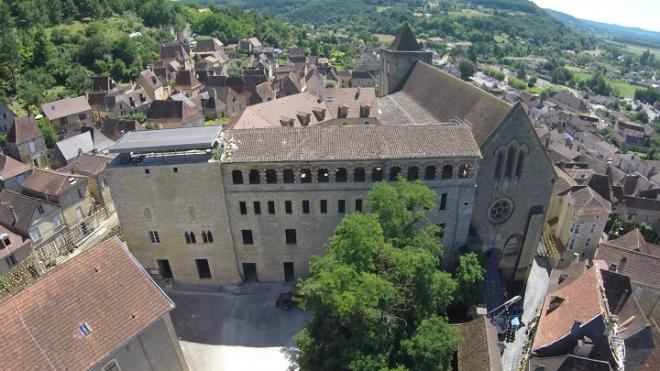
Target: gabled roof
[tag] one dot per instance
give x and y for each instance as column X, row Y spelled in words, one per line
column 48, row 183
column 23, row 207
column 104, row 288
column 478, row 350
column 115, row 128
column 186, row 80
column 640, row 267
column 65, row 107
column 16, row 242
column 635, row 241
column 10, row 168
column 170, row 109
column 405, row 40
column 23, row 129
column 208, row 45
column 87, row 164
column 587, row 200
column 71, row 147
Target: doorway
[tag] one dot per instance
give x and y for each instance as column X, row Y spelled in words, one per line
column 165, row 269
column 289, row 273
column 250, row 272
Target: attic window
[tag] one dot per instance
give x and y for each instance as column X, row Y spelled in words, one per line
column 72, row 180
column 286, row 122
column 304, row 118
column 365, row 110
column 5, row 241
column 319, row 113
column 562, row 278
column 342, row 111
column 555, row 302
column 84, row 329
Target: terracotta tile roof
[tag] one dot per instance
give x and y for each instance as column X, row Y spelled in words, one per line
column 24, row 129
column 87, row 164
column 10, row 168
column 115, row 128
column 641, row 268
column 104, row 288
column 367, row 142
column 65, row 107
column 635, row 241
column 581, row 301
column 16, row 242
column 405, row 40
column 23, row 206
column 48, row 183
column 478, row 350
column 444, row 97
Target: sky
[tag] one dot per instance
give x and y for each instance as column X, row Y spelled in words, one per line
column 632, row 13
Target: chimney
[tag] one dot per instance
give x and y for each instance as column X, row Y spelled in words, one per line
column 13, row 214
column 357, row 93
column 621, row 265
column 622, row 300
column 80, row 151
column 4, row 241
column 365, row 110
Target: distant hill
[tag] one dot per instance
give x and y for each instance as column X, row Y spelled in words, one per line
column 618, row 33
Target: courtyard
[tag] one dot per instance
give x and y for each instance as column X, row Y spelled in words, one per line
column 235, row 328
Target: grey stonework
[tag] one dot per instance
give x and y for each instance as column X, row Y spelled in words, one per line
column 396, row 65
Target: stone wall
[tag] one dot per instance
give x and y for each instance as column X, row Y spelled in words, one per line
column 396, row 65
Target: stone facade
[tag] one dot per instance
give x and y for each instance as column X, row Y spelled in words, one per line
column 33, row 152
column 396, row 65
column 6, row 117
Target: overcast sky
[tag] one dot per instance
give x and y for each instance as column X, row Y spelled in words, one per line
column 632, row 13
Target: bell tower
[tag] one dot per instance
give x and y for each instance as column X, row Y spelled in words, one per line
column 397, row 60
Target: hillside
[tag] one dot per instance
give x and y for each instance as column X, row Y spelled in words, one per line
column 618, row 33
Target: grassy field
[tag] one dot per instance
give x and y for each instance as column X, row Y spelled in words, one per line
column 637, row 49
column 626, row 89
column 470, row 13
column 384, row 38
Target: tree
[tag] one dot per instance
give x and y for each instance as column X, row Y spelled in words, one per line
column 79, row 80
column 377, row 295
column 642, row 116
column 469, row 276
column 467, row 69
column 48, row 131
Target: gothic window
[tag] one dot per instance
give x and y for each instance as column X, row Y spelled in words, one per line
column 520, row 163
column 187, row 237
column 500, row 211
column 205, row 239
column 512, row 245
column 394, row 173
column 500, row 163
column 192, row 237
column 429, row 173
column 271, row 176
column 413, row 173
column 358, row 174
column 341, row 175
column 447, row 171
column 209, row 236
column 510, row 157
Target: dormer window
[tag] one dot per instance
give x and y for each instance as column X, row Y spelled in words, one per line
column 84, row 329
column 319, row 113
column 365, row 110
column 555, row 302
column 40, row 209
column 342, row 111
column 303, row 118
column 286, row 122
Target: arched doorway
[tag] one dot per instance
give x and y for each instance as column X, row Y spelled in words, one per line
column 510, row 253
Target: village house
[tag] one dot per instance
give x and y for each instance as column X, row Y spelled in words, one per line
column 26, row 142
column 173, row 114
column 152, row 85
column 12, row 173
column 569, row 102
column 632, row 133
column 13, row 249
column 6, row 117
column 632, row 256
column 113, row 129
column 68, row 113
column 478, row 349
column 90, row 140
column 35, row 219
column 110, row 316
column 362, row 79
column 187, row 83
column 107, row 99
column 93, row 167
column 252, row 45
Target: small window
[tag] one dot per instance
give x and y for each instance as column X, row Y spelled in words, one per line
column 341, row 206
column 147, row 213
column 287, row 207
column 237, row 177
column 254, row 177
column 271, row 207
column 443, row 201
column 520, row 163
column 82, row 116
column 209, row 236
column 112, row 366
column 358, row 175
column 324, row 206
column 447, row 172
column 242, row 207
column 186, row 236
column 85, row 329
column 40, row 209
column 358, row 205
column 413, row 173
column 500, row 164
column 192, row 237
column 271, row 176
column 257, row 208
column 341, row 176
column 290, row 235
column 154, row 237
column 247, row 237
column 205, row 238
column 305, row 207
column 147, row 172
column 377, row 174
column 510, row 157
column 203, row 269
column 305, row 176
column 429, row 173
column 395, row 171
column 464, row 171
column 288, row 177
column 176, row 170
column 323, row 176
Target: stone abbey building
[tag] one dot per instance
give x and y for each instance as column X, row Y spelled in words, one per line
column 258, row 201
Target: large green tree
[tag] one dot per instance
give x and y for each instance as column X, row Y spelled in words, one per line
column 377, row 296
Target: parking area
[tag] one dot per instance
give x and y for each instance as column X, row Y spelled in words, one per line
column 237, row 329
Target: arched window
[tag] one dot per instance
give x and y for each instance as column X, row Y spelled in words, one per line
column 520, row 163
column 237, row 177
column 341, row 176
column 209, row 236
column 271, row 176
column 464, row 171
column 204, row 238
column 500, row 163
column 305, row 176
column 323, row 176
column 512, row 245
column 377, row 174
column 192, row 237
column 254, row 177
column 447, row 171
column 510, row 157
column 429, row 173
column 413, row 173
column 358, row 174
column 288, row 177
column 394, row 173
column 187, row 237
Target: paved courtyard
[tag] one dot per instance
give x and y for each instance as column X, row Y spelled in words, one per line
column 238, row 329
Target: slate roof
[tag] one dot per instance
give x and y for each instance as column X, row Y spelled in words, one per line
column 49, row 183
column 87, row 164
column 103, row 287
column 65, row 107
column 568, row 362
column 10, row 168
column 23, row 129
column 23, row 206
column 635, row 241
column 641, row 268
column 568, row 101
column 430, row 94
column 405, row 40
column 71, row 147
column 478, row 350
column 186, row 80
column 341, row 143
